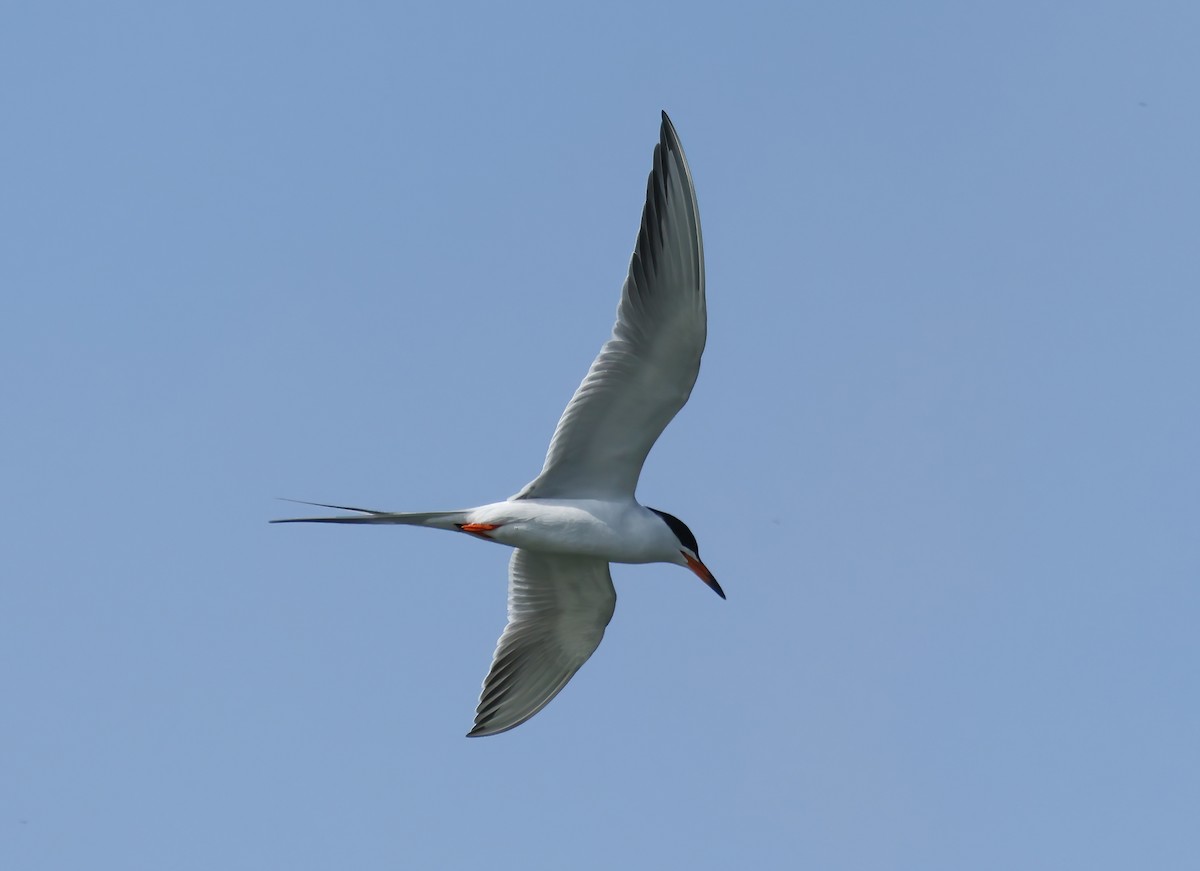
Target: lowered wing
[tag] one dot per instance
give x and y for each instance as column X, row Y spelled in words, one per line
column 558, row 608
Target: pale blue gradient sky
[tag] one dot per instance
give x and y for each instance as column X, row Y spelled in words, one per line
column 942, row 454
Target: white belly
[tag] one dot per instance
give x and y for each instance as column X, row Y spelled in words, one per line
column 618, row 532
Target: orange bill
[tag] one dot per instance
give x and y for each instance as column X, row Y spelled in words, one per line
column 704, row 574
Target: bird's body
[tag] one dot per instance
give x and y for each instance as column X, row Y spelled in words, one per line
column 617, row 532
column 580, row 513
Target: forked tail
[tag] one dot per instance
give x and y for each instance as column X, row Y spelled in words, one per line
column 435, row 519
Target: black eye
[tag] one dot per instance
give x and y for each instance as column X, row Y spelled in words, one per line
column 680, row 529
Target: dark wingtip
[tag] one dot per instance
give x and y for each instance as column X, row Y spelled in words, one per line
column 481, row 730
column 668, row 129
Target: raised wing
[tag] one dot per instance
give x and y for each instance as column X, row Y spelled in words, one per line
column 558, row 607
column 645, row 371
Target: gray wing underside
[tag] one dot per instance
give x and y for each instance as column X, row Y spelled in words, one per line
column 645, row 372
column 558, row 608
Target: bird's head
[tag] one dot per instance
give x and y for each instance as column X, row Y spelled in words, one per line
column 688, row 551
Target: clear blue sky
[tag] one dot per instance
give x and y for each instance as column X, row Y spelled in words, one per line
column 942, row 455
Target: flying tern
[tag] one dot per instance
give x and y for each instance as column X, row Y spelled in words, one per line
column 580, row 514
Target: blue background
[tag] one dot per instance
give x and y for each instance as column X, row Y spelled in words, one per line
column 942, row 454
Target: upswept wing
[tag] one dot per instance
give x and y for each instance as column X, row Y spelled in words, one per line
column 645, row 371
column 558, row 607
